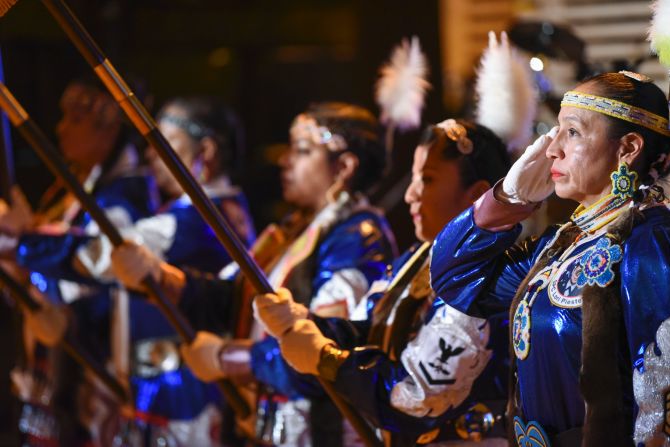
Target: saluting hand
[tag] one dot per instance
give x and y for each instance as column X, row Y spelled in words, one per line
column 529, row 178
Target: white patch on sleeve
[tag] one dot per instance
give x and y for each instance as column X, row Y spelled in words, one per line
column 443, row 361
column 229, row 272
column 652, row 392
column 344, row 289
column 95, row 256
column 119, row 217
column 157, row 233
column 72, row 291
column 360, row 313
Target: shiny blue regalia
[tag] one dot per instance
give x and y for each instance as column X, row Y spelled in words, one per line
column 65, row 233
column 170, row 403
column 328, row 267
column 478, row 272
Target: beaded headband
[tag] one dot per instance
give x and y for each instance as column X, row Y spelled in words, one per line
column 193, row 128
column 456, row 132
column 617, row 109
column 306, row 130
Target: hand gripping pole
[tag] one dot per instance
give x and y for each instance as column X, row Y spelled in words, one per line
column 52, row 158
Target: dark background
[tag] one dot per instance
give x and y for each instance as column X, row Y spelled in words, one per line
column 268, row 59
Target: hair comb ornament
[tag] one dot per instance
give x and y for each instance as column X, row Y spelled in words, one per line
column 637, row 76
column 305, row 130
column 456, row 132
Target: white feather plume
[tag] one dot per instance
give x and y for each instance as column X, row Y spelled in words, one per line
column 401, row 89
column 507, row 96
column 659, row 31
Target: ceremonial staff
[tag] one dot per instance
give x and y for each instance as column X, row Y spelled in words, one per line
column 387, row 303
column 68, row 343
column 53, row 159
column 146, row 125
column 7, row 179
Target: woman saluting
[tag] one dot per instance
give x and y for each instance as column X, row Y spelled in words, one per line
column 589, row 302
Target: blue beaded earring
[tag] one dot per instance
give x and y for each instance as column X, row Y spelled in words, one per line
column 624, row 181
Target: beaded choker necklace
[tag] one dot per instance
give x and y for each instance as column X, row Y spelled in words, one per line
column 600, row 213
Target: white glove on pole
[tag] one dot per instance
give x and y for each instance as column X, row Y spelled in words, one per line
column 529, row 178
column 202, row 356
column 301, row 346
column 278, row 312
column 131, row 263
column 48, row 323
column 17, row 217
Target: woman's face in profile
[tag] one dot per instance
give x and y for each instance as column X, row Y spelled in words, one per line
column 584, row 154
column 89, row 124
column 436, row 194
column 307, row 171
column 185, row 146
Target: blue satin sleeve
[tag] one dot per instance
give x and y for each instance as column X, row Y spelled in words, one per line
column 136, row 194
column 269, row 367
column 645, row 289
column 195, row 244
column 478, row 271
column 645, row 298
column 52, row 255
column 363, row 242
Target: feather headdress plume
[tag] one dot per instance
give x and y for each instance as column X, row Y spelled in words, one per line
column 659, row 31
column 401, row 88
column 506, row 91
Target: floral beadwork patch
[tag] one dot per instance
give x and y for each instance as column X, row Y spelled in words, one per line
column 521, row 330
column 597, row 264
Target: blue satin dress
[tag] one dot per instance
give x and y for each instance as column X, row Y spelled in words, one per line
column 478, row 272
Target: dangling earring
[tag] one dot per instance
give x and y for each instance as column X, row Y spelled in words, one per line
column 624, row 181
column 333, row 193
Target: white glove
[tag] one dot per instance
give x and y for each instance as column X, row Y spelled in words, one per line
column 48, row 323
column 203, row 356
column 278, row 312
column 529, row 178
column 18, row 217
column 131, row 263
column 301, row 347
